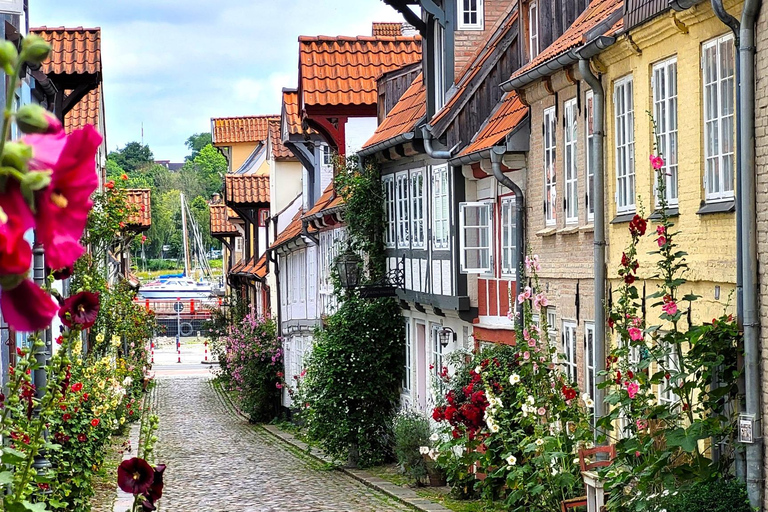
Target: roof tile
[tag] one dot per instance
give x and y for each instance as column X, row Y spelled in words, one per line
column 292, row 231
column 279, row 152
column 231, row 130
column 75, row 51
column 404, row 116
column 387, row 29
column 291, row 116
column 86, row 111
column 252, row 267
column 246, row 189
column 343, row 70
column 220, row 224
column 141, row 200
column 509, row 114
column 328, row 201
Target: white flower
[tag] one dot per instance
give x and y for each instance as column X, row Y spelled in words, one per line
column 585, row 396
column 589, row 403
column 495, row 428
column 539, row 442
column 434, row 437
column 511, row 460
column 530, row 400
column 478, row 370
column 424, row 450
column 514, row 378
column 127, row 381
column 498, row 403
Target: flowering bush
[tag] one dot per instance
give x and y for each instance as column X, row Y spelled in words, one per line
column 252, row 365
column 413, row 439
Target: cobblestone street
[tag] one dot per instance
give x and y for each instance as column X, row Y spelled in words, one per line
column 219, row 463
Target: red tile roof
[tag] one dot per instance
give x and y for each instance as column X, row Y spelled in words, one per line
column 597, row 12
column 220, row 224
column 328, row 201
column 292, row 231
column 231, row 130
column 252, row 267
column 387, row 29
column 467, row 75
column 403, row 117
column 246, row 189
column 75, row 51
column 140, row 199
column 508, row 115
column 343, row 70
column 279, row 152
column 292, row 118
column 86, row 111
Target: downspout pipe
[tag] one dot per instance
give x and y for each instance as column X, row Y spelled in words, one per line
column 598, row 193
column 440, row 154
column 272, row 256
column 497, row 154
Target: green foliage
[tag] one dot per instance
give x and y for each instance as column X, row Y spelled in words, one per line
column 196, row 143
column 412, row 431
column 715, row 496
column 134, row 156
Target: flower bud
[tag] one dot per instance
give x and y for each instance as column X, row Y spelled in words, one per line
column 16, row 155
column 32, row 118
column 8, row 55
column 35, row 49
column 37, row 180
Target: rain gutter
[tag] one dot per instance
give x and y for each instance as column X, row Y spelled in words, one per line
column 387, row 144
column 437, row 154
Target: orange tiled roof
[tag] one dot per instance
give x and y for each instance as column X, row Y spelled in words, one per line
column 231, row 130
column 86, row 111
column 220, row 224
column 252, row 267
column 141, row 200
column 292, row 231
column 291, row 111
column 387, row 29
column 279, row 152
column 343, row 70
column 246, row 188
column 506, row 118
column 597, row 12
column 75, row 51
column 485, row 51
column 328, row 201
column 403, row 117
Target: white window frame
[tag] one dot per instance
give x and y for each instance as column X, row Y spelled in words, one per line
column 569, row 162
column 238, row 244
column 533, row 29
column 718, row 183
column 402, row 200
column 327, row 156
column 590, row 364
column 390, row 235
column 550, row 172
column 439, row 67
column 590, row 165
column 552, row 325
column 463, row 10
column 666, row 393
column 569, row 350
column 481, row 228
column 624, row 144
column 441, row 214
column 508, row 229
column 417, row 201
column 302, row 271
column 664, row 89
column 407, row 377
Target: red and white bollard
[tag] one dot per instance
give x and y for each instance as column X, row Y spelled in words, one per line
column 206, row 351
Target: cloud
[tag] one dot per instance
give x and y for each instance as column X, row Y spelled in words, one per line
column 174, row 64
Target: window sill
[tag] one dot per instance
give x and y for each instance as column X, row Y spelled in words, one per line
column 671, row 212
column 568, row 230
column 587, row 229
column 720, row 207
column 547, row 231
column 623, row 217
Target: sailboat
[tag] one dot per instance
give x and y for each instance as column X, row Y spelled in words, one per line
column 183, row 286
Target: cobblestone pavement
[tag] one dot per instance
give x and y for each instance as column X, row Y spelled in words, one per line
column 219, row 463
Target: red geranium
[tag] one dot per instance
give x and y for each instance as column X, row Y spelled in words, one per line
column 95, row 422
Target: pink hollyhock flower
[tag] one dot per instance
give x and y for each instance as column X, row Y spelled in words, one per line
column 532, row 343
column 661, row 241
column 26, row 307
column 526, row 355
column 525, row 295
column 632, row 389
column 641, row 424
column 670, row 308
column 63, row 206
column 80, row 310
column 660, row 230
column 526, row 335
column 542, row 411
column 657, row 162
column 635, row 334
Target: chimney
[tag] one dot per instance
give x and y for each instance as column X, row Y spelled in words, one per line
column 386, row 29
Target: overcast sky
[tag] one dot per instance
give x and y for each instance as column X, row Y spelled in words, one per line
column 174, row 64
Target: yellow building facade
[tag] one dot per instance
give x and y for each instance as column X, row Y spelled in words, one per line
column 676, row 59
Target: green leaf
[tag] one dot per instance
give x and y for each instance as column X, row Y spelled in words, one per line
column 6, row 477
column 34, row 507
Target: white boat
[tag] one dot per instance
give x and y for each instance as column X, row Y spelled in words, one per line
column 173, row 288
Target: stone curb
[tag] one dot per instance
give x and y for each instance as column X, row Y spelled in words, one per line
column 401, row 494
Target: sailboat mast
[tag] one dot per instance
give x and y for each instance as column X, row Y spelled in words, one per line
column 185, row 236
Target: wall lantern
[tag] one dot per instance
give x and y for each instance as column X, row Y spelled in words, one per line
column 349, row 266
column 446, row 336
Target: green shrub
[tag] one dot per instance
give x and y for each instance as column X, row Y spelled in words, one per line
column 713, row 496
column 412, row 431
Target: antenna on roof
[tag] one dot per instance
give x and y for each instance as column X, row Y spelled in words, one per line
column 142, row 133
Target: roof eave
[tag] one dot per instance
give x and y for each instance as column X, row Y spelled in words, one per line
column 516, row 141
column 391, row 143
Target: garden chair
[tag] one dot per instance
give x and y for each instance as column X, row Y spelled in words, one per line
column 587, row 464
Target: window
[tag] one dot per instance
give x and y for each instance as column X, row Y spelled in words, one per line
column 263, row 217
column 239, row 244
column 589, row 358
column 569, row 350
column 476, row 236
column 668, row 364
column 550, row 176
column 552, row 325
column 417, row 209
column 625, row 145
column 441, row 215
column 437, row 356
column 408, row 367
column 508, row 236
column 403, row 226
column 533, row 30
column 389, row 204
column 664, row 86
column 718, row 78
column 327, row 156
column 470, row 14
column 590, row 113
column 439, row 63
column 571, row 173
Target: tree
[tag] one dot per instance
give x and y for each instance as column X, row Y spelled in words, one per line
column 196, row 143
column 211, row 167
column 134, row 156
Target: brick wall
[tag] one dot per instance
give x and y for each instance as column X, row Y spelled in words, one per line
column 761, row 141
column 467, row 42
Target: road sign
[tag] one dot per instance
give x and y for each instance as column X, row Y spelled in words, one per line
column 178, row 307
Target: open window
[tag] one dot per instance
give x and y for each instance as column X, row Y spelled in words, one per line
column 476, row 238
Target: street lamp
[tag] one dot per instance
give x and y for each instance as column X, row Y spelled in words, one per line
column 348, row 265
column 446, row 336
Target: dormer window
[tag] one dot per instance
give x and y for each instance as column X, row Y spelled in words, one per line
column 533, row 30
column 470, row 15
